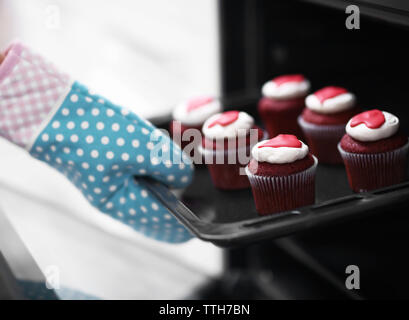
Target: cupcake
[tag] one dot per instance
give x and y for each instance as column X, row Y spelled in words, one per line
column 228, row 139
column 282, row 102
column 375, row 153
column 191, row 114
column 282, row 174
column 323, row 121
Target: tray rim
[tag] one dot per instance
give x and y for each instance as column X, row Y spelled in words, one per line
column 283, row 223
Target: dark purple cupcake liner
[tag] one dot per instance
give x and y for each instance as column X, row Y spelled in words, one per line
column 323, row 140
column 373, row 171
column 282, row 193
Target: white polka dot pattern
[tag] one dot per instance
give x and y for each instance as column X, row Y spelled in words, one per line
column 103, row 151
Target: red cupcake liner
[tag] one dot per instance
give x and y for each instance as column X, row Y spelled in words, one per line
column 323, row 140
column 282, row 193
column 368, row 172
column 176, row 131
column 225, row 168
column 280, row 116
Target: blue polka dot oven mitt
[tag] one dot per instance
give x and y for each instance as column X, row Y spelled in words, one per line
column 102, row 148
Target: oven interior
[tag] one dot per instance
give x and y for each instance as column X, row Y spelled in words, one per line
column 261, row 39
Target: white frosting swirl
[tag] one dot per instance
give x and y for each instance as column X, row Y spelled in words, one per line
column 362, row 133
column 197, row 116
column 240, row 127
column 336, row 104
column 286, row 90
column 279, row 155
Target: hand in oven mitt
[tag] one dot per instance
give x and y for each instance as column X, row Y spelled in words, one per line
column 102, row 148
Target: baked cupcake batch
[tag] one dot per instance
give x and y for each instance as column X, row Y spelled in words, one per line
column 281, row 169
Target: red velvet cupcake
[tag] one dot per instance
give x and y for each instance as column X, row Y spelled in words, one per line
column 282, row 174
column 282, row 103
column 323, row 121
column 374, row 152
column 228, row 138
column 192, row 114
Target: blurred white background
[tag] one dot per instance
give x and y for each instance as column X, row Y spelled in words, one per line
column 147, row 55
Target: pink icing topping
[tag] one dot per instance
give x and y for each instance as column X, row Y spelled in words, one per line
column 329, row 92
column 197, row 103
column 282, row 140
column 225, row 118
column 373, row 119
column 288, row 78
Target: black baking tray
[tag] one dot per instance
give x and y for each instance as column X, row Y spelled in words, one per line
column 229, row 218
column 260, row 39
